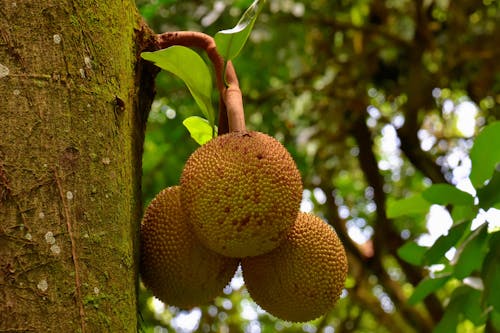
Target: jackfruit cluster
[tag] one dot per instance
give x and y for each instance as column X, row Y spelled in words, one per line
column 239, row 200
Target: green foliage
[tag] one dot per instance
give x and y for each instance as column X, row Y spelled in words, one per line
column 485, row 159
column 464, row 304
column 413, row 205
column 491, row 275
column 489, row 195
column 230, row 42
column 426, row 287
column 435, row 254
column 412, row 253
column 149, row 10
column 471, row 253
column 199, row 128
column 472, row 247
column 444, row 194
column 163, row 132
column 190, row 68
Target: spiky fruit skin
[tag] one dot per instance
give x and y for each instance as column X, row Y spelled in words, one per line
column 303, row 278
column 241, row 192
column 174, row 265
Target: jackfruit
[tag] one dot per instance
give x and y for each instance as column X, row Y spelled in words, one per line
column 241, row 192
column 174, row 265
column 303, row 278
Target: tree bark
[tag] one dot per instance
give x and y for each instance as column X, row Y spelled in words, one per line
column 72, row 116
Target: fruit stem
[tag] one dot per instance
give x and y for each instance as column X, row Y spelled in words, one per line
column 233, row 100
column 231, row 112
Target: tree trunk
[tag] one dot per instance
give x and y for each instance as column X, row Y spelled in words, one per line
column 71, row 133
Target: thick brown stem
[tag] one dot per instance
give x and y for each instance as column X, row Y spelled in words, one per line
column 234, row 103
column 231, row 101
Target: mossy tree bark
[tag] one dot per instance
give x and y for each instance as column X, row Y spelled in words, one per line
column 72, row 114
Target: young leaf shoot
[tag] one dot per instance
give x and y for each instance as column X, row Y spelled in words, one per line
column 230, row 42
column 199, row 128
column 190, row 68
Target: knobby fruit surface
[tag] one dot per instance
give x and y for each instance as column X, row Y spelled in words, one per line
column 241, row 192
column 174, row 265
column 303, row 278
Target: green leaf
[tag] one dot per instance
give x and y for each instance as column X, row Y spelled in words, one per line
column 472, row 297
column 489, row 195
column 490, row 272
column 495, row 319
column 414, row 205
column 464, row 301
column 449, row 321
column 471, row 253
column 426, row 287
column 437, row 251
column 412, row 253
column 463, row 213
column 190, row 68
column 230, row 42
column 484, row 155
column 444, row 194
column 199, row 128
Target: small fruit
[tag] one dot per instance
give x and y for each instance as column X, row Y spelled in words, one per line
column 174, row 265
column 241, row 192
column 303, row 278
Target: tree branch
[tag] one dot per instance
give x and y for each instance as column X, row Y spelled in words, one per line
column 419, row 87
column 410, row 146
column 386, row 237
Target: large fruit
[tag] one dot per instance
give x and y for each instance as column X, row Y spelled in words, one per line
column 174, row 265
column 241, row 192
column 303, row 278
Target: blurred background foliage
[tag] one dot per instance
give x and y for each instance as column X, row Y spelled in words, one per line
column 376, row 100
